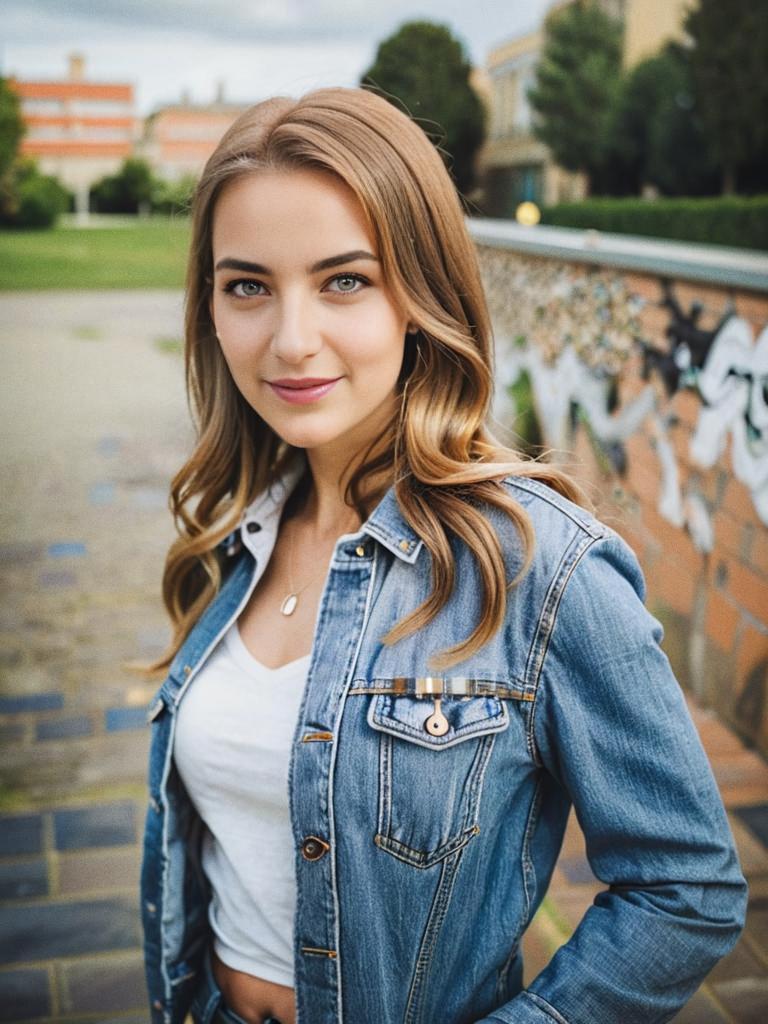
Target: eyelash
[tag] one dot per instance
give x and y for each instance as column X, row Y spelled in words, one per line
column 230, row 286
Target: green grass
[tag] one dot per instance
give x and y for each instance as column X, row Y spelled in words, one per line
column 147, row 254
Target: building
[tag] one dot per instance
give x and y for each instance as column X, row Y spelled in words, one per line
column 179, row 138
column 514, row 165
column 77, row 130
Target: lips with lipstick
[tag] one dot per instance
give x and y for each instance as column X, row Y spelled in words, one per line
column 301, row 390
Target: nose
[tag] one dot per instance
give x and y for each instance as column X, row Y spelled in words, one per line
column 296, row 334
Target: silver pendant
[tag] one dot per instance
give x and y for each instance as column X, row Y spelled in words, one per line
column 289, row 604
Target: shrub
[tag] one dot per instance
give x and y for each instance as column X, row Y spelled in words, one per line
column 741, row 222
column 173, row 197
column 33, row 200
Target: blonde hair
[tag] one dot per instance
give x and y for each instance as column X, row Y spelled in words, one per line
column 437, row 449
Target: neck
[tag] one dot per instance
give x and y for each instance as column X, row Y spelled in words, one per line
column 323, row 511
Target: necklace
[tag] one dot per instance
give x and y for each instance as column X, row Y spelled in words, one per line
column 291, row 599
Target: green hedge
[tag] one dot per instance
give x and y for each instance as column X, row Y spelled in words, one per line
column 736, row 221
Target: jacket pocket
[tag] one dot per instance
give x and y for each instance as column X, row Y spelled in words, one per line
column 430, row 785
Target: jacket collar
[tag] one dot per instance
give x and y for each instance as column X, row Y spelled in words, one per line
column 386, row 523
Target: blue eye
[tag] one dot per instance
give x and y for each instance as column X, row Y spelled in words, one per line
column 244, row 288
column 353, row 279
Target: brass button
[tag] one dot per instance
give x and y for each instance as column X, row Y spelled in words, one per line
column 187, row 669
column 313, row 848
column 405, row 545
column 360, row 550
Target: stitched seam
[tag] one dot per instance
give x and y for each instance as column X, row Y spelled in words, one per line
column 477, row 778
column 546, row 626
column 413, row 1009
column 528, row 869
column 335, row 923
column 542, row 1004
column 419, row 858
column 547, row 494
column 384, row 721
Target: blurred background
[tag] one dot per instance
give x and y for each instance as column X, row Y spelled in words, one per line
column 612, row 159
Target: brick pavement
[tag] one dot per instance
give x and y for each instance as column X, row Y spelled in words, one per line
column 93, row 418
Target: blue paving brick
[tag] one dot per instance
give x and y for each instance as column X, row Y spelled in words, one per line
column 24, row 995
column 120, row 719
column 42, row 931
column 21, row 833
column 101, row 494
column 66, row 549
column 54, row 579
column 22, row 879
column 105, row 825
column 31, row 702
column 64, row 728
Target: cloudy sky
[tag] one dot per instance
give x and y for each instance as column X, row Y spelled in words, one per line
column 255, row 48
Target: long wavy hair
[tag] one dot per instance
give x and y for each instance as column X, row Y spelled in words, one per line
column 437, row 449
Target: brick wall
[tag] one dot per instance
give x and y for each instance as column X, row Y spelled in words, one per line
column 654, row 392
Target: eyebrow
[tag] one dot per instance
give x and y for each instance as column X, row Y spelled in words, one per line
column 229, row 263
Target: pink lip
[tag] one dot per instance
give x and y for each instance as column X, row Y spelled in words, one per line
column 303, row 390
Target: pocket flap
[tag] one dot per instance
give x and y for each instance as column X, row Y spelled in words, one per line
column 467, row 717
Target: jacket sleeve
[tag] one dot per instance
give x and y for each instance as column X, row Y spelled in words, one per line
column 612, row 727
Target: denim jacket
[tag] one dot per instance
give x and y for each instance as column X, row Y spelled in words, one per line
column 422, row 850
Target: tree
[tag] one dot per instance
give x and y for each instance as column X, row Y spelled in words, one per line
column 425, row 68
column 577, row 82
column 128, row 191
column 657, row 136
column 729, row 59
column 11, row 132
column 32, row 199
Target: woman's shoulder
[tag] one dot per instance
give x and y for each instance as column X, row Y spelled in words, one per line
column 569, row 537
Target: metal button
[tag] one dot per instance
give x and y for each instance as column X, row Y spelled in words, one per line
column 313, row 848
column 253, row 527
column 405, row 545
column 187, row 669
column 360, row 550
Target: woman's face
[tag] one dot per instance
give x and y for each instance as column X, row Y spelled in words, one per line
column 299, row 296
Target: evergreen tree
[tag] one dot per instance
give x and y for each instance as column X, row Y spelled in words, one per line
column 577, row 82
column 729, row 60
column 11, row 132
column 425, row 68
column 128, row 191
column 657, row 136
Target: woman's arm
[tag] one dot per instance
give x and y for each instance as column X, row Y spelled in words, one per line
column 612, row 727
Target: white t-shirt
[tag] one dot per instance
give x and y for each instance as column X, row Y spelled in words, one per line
column 232, row 750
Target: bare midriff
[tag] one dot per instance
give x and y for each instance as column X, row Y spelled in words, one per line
column 254, row 999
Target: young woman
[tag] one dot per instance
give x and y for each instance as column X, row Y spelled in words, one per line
column 401, row 651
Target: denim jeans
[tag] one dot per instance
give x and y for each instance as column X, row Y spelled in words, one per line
column 208, row 1005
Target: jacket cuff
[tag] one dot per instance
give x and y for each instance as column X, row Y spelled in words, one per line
column 526, row 1008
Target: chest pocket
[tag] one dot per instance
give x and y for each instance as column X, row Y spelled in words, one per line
column 430, row 785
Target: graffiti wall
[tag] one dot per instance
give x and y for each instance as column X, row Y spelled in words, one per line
column 654, row 392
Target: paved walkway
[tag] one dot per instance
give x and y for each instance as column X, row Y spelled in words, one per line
column 93, row 421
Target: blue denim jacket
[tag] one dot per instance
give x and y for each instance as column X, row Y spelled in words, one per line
column 438, row 846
